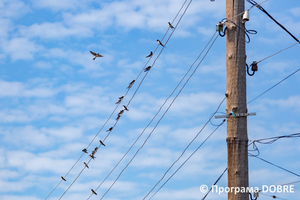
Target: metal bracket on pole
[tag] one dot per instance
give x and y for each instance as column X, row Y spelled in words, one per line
column 235, row 115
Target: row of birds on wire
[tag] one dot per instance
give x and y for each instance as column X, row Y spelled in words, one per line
column 97, row 55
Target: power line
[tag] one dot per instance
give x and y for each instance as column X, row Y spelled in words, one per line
column 274, row 85
column 184, row 150
column 156, row 113
column 189, row 156
column 123, row 97
column 159, row 119
column 274, row 165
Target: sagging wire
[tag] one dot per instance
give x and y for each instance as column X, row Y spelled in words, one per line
column 274, row 86
column 189, row 157
column 263, row 10
column 160, row 119
column 186, row 149
column 118, row 104
column 214, row 184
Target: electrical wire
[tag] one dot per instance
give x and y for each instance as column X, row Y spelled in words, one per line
column 276, row 53
column 215, row 183
column 123, row 96
column 156, row 113
column 274, row 165
column 263, row 10
column 189, row 156
column 186, row 149
column 274, row 86
column 273, row 196
column 159, row 120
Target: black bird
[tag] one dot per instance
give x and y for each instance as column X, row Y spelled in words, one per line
column 92, row 156
column 121, row 112
column 96, row 55
column 120, row 99
column 93, row 192
column 170, row 25
column 150, row 55
column 101, row 143
column 147, row 68
column 130, row 84
column 118, row 117
column 125, row 108
column 63, row 178
column 84, row 150
column 110, row 129
column 86, row 165
column 159, row 42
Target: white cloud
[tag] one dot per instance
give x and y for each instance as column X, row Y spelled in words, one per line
column 21, row 48
column 13, row 8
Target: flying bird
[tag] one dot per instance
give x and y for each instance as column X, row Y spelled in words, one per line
column 63, row 178
column 170, row 25
column 101, row 143
column 147, row 68
column 130, row 84
column 150, row 55
column 93, row 192
column 125, row 108
column 84, row 150
column 86, row 165
column 159, row 42
column 110, row 129
column 120, row 99
column 96, row 55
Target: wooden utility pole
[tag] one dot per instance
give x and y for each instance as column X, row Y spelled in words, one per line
column 237, row 139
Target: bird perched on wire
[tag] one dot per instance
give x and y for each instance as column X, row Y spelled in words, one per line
column 84, row 150
column 150, row 55
column 96, row 55
column 118, row 117
column 63, row 178
column 92, row 156
column 86, row 165
column 101, row 143
column 121, row 112
column 147, row 68
column 120, row 99
column 170, row 25
column 125, row 108
column 159, row 42
column 130, row 84
column 93, row 192
column 110, row 129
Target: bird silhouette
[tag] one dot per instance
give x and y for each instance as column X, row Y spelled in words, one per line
column 120, row 99
column 63, row 178
column 130, row 84
column 93, row 192
column 125, row 108
column 101, row 143
column 121, row 112
column 118, row 117
column 159, row 42
column 110, row 129
column 84, row 150
column 150, row 55
column 96, row 55
column 86, row 165
column 147, row 68
column 170, row 25
column 92, row 156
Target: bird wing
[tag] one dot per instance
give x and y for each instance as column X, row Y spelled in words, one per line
column 93, row 53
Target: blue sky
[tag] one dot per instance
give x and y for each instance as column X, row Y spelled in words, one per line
column 55, row 98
